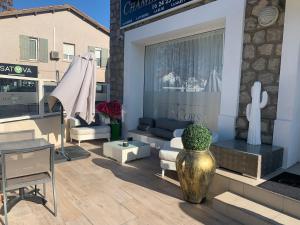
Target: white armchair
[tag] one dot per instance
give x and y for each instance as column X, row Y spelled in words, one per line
column 83, row 133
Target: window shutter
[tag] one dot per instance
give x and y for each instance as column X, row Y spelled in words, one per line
column 91, row 49
column 104, row 57
column 24, row 47
column 43, row 50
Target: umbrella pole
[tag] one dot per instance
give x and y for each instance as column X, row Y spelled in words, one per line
column 62, row 130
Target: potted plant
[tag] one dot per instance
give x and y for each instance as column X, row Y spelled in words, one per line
column 195, row 164
column 113, row 110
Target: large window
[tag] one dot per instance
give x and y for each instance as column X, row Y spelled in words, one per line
column 102, row 92
column 48, row 87
column 183, row 78
column 69, row 51
column 24, row 98
column 33, row 49
column 18, row 98
column 101, row 55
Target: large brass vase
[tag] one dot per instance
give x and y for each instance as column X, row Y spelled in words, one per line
column 195, row 172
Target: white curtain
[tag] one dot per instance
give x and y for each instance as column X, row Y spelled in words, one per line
column 183, row 78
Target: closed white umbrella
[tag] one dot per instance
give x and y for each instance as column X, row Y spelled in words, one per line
column 77, row 91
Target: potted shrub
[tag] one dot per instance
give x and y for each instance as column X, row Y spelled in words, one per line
column 195, row 164
column 113, row 110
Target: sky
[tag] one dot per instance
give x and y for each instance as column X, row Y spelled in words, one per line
column 97, row 9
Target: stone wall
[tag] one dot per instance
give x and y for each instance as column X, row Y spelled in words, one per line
column 116, row 61
column 261, row 61
column 117, row 44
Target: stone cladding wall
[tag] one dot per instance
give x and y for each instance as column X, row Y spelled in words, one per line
column 261, row 61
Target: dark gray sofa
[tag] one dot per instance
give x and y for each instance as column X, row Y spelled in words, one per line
column 163, row 127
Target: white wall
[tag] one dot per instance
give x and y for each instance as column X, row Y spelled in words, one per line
column 287, row 124
column 218, row 14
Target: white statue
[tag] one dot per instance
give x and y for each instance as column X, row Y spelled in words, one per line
column 253, row 113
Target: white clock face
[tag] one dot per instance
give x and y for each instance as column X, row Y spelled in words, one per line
column 268, row 16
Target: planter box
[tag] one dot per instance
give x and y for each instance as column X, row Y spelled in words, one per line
column 250, row 160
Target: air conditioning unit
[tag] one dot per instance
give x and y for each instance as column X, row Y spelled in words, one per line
column 54, row 55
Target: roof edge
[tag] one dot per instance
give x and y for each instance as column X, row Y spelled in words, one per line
column 53, row 9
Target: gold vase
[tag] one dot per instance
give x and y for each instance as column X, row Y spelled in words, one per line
column 195, row 172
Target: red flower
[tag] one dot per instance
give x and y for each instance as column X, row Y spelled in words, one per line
column 112, row 109
column 103, row 108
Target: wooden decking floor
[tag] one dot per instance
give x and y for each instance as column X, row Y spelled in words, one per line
column 97, row 190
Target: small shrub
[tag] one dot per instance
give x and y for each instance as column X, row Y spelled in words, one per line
column 196, row 138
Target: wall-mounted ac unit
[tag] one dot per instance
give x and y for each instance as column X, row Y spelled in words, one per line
column 54, row 55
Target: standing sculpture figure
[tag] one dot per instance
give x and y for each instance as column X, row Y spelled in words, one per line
column 253, row 113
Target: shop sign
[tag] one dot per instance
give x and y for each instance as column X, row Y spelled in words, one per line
column 132, row 11
column 18, row 70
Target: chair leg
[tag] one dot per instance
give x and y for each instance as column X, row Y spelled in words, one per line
column 163, row 173
column 5, row 207
column 78, row 142
column 54, row 197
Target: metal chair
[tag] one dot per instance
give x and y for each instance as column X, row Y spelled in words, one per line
column 25, row 168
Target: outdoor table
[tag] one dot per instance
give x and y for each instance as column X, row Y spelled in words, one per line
column 25, row 146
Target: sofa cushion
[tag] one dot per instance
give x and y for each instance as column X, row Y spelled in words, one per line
column 145, row 124
column 171, row 124
column 83, row 123
column 90, row 130
column 169, row 154
column 163, row 133
column 146, row 121
column 143, row 127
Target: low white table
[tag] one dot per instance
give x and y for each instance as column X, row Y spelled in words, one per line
column 135, row 150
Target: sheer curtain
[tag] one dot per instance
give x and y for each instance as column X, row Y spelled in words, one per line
column 183, row 78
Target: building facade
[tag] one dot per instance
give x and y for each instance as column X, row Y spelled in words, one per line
column 37, row 47
column 146, row 49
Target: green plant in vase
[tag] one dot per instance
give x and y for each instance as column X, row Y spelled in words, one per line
column 195, row 165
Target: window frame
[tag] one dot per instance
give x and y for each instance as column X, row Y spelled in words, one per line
column 100, row 50
column 68, row 58
column 40, row 93
column 36, row 48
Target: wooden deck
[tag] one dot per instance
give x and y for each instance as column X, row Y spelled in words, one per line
column 97, row 190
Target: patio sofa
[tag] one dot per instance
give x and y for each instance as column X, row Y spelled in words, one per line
column 158, row 132
column 164, row 128
column 81, row 131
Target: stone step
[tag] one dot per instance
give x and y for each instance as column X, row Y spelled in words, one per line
column 249, row 212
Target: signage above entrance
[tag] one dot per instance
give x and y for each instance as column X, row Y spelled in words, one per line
column 132, row 11
column 18, row 70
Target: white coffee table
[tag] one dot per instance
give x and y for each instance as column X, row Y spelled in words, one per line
column 135, row 150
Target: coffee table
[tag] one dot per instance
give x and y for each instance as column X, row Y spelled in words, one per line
column 135, row 150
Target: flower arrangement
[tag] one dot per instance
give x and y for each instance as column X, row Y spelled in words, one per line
column 112, row 109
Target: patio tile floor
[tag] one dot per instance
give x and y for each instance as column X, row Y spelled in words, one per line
column 98, row 190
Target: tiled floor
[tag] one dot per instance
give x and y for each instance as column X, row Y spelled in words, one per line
column 97, row 190
column 294, row 169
